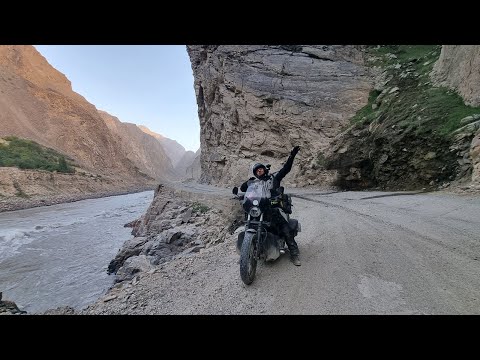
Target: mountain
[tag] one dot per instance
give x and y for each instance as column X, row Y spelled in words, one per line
column 37, row 102
column 173, row 149
column 180, row 158
column 144, row 150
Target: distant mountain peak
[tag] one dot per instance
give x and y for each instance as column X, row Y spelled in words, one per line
column 174, row 150
column 150, row 132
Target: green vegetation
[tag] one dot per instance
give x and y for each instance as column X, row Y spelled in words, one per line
column 27, row 154
column 415, row 105
column 366, row 112
column 198, row 207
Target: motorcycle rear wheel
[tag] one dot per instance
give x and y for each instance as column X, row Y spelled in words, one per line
column 248, row 258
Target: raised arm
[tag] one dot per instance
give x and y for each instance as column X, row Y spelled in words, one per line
column 288, row 165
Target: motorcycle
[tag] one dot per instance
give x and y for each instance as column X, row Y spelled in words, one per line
column 259, row 240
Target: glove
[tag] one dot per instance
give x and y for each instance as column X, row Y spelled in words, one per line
column 295, row 150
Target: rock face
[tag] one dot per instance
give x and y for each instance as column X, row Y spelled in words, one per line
column 256, row 102
column 475, row 155
column 38, row 103
column 459, row 68
column 144, row 150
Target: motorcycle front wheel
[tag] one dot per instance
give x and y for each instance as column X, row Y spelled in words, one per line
column 248, row 258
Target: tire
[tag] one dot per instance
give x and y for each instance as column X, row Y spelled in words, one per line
column 248, row 258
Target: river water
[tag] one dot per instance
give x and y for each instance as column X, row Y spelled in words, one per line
column 58, row 255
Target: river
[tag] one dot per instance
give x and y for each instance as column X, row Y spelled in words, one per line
column 58, row 255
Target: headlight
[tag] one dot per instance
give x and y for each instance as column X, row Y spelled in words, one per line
column 255, row 202
column 255, row 212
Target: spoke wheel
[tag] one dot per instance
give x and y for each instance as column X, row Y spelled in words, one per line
column 248, row 258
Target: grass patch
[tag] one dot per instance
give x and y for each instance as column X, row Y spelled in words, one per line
column 200, row 208
column 27, row 154
column 388, row 55
column 416, row 106
column 367, row 112
column 446, row 108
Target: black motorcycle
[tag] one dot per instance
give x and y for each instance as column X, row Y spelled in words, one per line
column 259, row 240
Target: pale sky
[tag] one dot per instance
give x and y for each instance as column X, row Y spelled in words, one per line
column 149, row 85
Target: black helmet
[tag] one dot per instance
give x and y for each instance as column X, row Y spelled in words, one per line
column 258, row 166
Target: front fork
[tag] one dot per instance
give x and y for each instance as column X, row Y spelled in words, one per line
column 259, row 234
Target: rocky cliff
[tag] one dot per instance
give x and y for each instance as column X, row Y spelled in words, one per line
column 144, row 150
column 256, row 102
column 458, row 68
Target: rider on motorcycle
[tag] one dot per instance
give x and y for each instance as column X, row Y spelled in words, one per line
column 273, row 180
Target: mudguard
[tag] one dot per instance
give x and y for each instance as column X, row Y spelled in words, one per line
column 271, row 246
column 240, row 237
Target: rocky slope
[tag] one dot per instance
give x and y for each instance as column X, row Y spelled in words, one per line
column 178, row 223
column 257, row 101
column 410, row 135
column 22, row 189
column 143, row 150
column 38, row 103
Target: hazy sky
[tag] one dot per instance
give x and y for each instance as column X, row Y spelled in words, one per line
column 149, row 85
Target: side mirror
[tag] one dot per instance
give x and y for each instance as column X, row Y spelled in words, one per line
column 282, row 189
column 235, row 190
column 268, row 166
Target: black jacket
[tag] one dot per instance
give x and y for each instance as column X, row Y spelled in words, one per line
column 277, row 177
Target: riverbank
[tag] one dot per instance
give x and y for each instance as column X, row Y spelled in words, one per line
column 23, row 189
column 19, row 203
